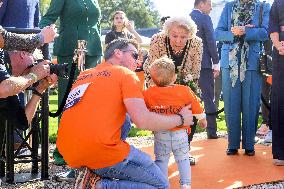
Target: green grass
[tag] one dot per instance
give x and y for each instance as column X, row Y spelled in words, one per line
column 53, row 122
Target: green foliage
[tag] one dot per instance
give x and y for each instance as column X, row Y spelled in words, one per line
column 141, row 11
column 43, row 6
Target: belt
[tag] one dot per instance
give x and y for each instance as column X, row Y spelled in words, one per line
column 282, row 28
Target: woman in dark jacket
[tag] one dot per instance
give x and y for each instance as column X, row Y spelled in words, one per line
column 276, row 30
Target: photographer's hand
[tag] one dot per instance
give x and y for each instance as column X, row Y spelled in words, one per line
column 46, row 82
column 41, row 70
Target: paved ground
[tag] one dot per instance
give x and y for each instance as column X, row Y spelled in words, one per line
column 138, row 142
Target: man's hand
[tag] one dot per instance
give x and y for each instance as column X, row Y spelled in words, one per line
column 46, row 82
column 41, row 70
column 216, row 73
column 187, row 115
column 49, row 33
column 203, row 123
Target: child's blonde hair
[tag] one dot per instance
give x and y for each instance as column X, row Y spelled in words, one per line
column 162, row 71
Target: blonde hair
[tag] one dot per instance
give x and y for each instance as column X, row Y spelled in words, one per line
column 113, row 27
column 162, row 71
column 184, row 22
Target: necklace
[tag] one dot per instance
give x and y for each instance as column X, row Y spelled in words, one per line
column 183, row 53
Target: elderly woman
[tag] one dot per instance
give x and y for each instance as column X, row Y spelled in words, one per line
column 241, row 33
column 179, row 42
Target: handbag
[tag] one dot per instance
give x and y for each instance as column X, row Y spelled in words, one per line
column 265, row 59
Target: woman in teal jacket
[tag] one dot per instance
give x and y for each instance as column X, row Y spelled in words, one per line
column 241, row 34
column 79, row 20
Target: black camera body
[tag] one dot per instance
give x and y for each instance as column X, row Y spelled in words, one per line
column 61, row 70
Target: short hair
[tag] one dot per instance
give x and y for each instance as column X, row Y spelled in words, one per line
column 185, row 22
column 121, row 44
column 162, row 71
column 197, row 2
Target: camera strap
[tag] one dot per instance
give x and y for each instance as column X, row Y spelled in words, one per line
column 68, row 89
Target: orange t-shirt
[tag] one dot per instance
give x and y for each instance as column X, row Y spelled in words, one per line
column 90, row 127
column 171, row 99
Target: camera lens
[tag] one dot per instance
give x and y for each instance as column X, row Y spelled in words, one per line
column 61, row 70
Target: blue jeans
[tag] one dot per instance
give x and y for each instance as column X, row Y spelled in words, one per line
column 166, row 142
column 136, row 171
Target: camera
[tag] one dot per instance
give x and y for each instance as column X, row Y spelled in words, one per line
column 61, row 70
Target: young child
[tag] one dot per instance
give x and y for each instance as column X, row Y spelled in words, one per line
column 122, row 28
column 168, row 98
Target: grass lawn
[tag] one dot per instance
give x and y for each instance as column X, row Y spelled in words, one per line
column 53, row 122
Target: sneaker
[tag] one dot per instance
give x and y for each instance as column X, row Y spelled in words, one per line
column 192, row 160
column 86, row 179
column 68, row 176
column 185, row 186
column 278, row 162
column 263, row 129
column 268, row 137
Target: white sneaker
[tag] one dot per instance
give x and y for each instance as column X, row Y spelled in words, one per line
column 185, row 186
column 268, row 137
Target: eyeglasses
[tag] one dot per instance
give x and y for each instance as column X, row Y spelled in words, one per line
column 134, row 54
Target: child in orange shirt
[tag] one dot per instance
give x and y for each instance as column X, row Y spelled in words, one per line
column 169, row 98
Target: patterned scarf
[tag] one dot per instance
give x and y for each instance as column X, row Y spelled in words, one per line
column 242, row 15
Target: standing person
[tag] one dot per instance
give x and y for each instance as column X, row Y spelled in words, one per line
column 79, row 20
column 239, row 30
column 179, row 42
column 121, row 28
column 167, row 98
column 110, row 161
column 210, row 66
column 276, row 30
column 19, row 13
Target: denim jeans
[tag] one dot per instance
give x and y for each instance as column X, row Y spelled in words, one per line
column 125, row 127
column 136, row 171
column 177, row 142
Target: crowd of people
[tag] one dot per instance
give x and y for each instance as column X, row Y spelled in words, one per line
column 183, row 62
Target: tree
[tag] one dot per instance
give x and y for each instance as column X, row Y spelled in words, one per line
column 142, row 12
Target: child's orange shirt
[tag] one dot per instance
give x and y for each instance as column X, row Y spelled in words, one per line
column 171, row 99
column 90, row 127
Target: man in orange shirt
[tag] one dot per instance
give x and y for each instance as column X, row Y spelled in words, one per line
column 168, row 98
column 94, row 113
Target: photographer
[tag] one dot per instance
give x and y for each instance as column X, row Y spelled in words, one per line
column 10, row 86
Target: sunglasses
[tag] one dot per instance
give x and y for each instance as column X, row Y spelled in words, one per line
column 134, row 54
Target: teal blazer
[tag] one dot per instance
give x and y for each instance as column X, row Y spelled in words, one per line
column 79, row 20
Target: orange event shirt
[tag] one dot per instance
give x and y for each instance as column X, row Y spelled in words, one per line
column 89, row 131
column 171, row 99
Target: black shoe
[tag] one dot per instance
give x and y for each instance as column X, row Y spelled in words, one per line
column 231, row 152
column 192, row 160
column 212, row 136
column 249, row 152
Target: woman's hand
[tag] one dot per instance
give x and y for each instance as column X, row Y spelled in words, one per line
column 129, row 24
column 238, row 30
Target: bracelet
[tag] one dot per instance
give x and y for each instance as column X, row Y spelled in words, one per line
column 35, row 92
column 182, row 120
column 33, row 75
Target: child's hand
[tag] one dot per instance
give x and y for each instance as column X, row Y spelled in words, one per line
column 202, row 123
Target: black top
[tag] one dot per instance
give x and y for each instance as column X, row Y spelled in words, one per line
column 112, row 35
column 10, row 107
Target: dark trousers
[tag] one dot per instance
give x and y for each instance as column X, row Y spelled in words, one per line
column 265, row 92
column 206, row 83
